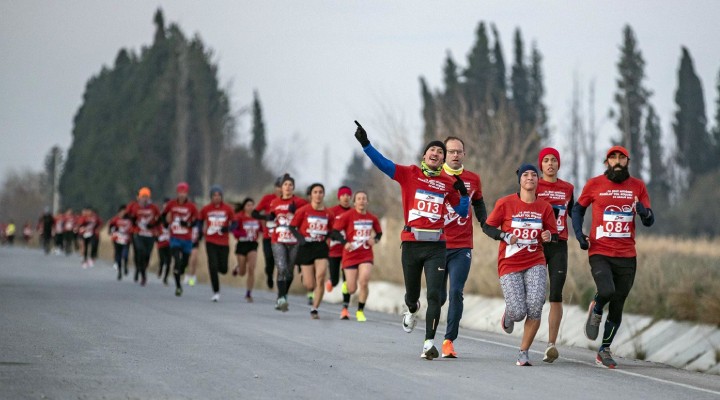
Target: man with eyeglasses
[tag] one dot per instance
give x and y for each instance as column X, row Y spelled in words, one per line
column 459, row 240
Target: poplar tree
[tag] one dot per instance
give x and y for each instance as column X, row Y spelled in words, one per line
column 695, row 150
column 631, row 97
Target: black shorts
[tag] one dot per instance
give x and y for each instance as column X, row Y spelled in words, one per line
column 311, row 251
column 244, row 248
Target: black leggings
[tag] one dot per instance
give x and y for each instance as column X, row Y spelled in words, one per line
column 430, row 257
column 165, row 260
column 91, row 245
column 556, row 256
column 614, row 277
column 217, row 262
column 143, row 246
column 335, row 270
column 121, row 254
column 269, row 258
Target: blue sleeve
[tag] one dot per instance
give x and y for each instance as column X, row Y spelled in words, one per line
column 463, row 206
column 578, row 217
column 383, row 164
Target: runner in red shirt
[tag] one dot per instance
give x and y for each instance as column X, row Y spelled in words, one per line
column 120, row 229
column 523, row 223
column 284, row 243
column 344, row 195
column 268, row 227
column 163, row 246
column 145, row 216
column 616, row 197
column 180, row 214
column 216, row 218
column 247, row 231
column 89, row 230
column 425, row 191
column 311, row 226
column 459, row 233
column 357, row 231
column 59, row 232
column 559, row 194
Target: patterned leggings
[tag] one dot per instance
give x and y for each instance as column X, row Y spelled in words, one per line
column 524, row 293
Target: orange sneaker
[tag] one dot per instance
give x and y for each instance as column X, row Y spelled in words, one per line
column 344, row 314
column 328, row 286
column 448, row 351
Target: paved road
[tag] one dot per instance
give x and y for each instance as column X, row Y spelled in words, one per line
column 68, row 333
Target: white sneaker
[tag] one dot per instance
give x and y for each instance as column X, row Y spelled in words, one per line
column 84, row 265
column 551, row 353
column 186, row 279
column 91, row 263
column 429, row 350
column 282, row 304
column 115, row 266
column 216, row 297
column 409, row 321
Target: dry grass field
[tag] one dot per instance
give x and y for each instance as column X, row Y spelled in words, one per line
column 676, row 278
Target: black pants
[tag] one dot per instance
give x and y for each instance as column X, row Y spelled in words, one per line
column 614, row 277
column 142, row 246
column 430, row 257
column 165, row 257
column 180, row 260
column 121, row 257
column 269, row 258
column 556, row 256
column 69, row 242
column 217, row 262
column 91, row 246
column 46, row 242
column 334, row 264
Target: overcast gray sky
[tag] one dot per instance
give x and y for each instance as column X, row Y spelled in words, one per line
column 320, row 64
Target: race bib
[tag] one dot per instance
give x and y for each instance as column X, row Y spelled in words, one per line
column 215, row 224
column 616, row 223
column 562, row 211
column 426, row 204
column 317, row 227
column 284, row 235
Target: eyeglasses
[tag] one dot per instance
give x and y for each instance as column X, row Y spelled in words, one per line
column 455, row 151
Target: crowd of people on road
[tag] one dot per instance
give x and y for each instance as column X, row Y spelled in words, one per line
column 439, row 197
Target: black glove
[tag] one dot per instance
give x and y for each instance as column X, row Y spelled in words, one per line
column 301, row 241
column 583, row 242
column 292, row 207
column 641, row 210
column 270, row 217
column 224, row 229
column 459, row 185
column 184, row 223
column 361, row 135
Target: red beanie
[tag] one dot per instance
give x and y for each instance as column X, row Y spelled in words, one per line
column 546, row 151
column 344, row 190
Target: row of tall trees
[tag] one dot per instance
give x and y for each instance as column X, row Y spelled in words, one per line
column 157, row 118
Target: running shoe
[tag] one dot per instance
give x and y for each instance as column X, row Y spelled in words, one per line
column 282, row 304
column 360, row 316
column 409, row 321
column 314, row 314
column 84, row 264
column 115, row 266
column 186, row 279
column 592, row 325
column 248, row 299
column 551, row 353
column 270, row 282
column 448, row 350
column 216, row 297
column 311, row 297
column 507, row 329
column 143, row 281
column 178, row 292
column 192, row 280
column 328, row 286
column 523, row 359
column 344, row 288
column 91, row 263
column 344, row 314
column 165, row 282
column 429, row 350
column 604, row 359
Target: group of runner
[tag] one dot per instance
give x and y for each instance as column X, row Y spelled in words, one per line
column 68, row 232
column 531, row 226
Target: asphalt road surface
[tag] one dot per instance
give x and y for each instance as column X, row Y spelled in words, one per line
column 69, row 333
